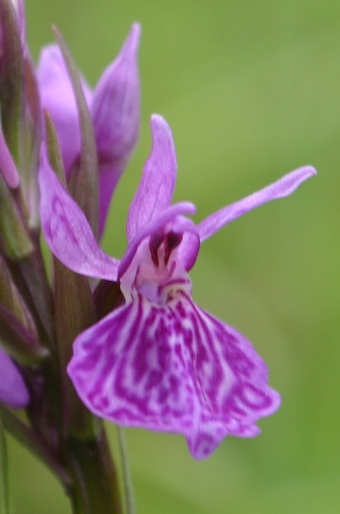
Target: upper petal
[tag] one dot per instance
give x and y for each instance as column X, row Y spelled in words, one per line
column 172, row 368
column 13, row 391
column 67, row 231
column 156, row 187
column 282, row 187
column 58, row 98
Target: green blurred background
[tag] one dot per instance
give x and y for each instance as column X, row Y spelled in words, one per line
column 251, row 91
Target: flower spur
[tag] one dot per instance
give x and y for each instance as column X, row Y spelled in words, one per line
column 159, row 361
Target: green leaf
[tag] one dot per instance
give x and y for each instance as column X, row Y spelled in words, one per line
column 95, row 485
column 27, row 274
column 25, row 436
column 16, row 241
column 31, row 141
column 74, row 312
column 17, row 341
column 54, row 151
column 86, row 188
column 127, row 480
column 11, row 298
column 4, row 490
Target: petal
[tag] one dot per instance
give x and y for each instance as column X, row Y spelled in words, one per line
column 7, row 166
column 172, row 368
column 282, row 187
column 115, row 112
column 58, row 98
column 115, row 106
column 124, row 370
column 156, row 187
column 67, row 231
column 233, row 378
column 190, row 245
column 13, row 391
column 167, row 215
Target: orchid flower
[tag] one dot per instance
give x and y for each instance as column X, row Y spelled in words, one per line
column 159, row 361
column 114, row 109
column 13, row 391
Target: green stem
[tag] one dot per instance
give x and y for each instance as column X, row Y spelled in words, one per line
column 95, row 483
column 4, row 494
column 128, row 489
column 24, row 435
column 33, row 272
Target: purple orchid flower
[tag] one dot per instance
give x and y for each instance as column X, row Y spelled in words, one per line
column 159, row 361
column 114, row 107
column 13, row 391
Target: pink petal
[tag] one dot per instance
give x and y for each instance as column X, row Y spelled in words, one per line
column 156, row 187
column 282, row 187
column 115, row 112
column 115, row 106
column 234, row 400
column 58, row 98
column 190, row 245
column 173, row 368
column 67, row 231
column 13, row 391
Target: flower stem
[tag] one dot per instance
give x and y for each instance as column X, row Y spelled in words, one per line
column 29, row 439
column 128, row 489
column 95, row 483
column 4, row 495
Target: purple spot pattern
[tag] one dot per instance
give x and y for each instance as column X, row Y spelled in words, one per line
column 172, row 367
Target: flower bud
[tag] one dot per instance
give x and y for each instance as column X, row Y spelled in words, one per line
column 13, row 391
